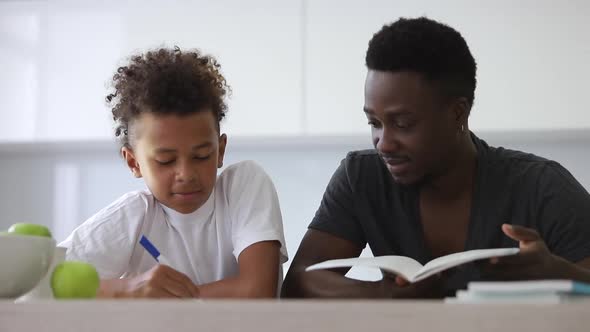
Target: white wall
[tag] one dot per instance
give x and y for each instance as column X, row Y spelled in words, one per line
column 532, row 59
column 57, row 58
column 296, row 66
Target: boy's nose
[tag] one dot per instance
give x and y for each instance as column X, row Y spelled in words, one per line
column 185, row 173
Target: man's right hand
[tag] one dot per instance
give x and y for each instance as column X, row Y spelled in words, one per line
column 161, row 281
column 400, row 288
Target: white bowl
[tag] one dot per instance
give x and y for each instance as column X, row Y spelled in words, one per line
column 24, row 261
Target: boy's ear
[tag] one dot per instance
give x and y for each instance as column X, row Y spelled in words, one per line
column 132, row 163
column 222, row 144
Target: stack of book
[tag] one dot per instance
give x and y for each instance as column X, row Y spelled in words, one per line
column 533, row 291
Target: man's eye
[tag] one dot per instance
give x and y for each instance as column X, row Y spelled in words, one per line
column 373, row 124
column 165, row 162
column 404, row 124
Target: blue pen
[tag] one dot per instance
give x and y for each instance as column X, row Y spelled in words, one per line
column 152, row 250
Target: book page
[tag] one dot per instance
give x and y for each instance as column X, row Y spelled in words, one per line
column 446, row 262
column 399, row 265
column 528, row 286
column 469, row 297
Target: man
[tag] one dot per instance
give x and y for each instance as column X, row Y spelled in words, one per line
column 431, row 187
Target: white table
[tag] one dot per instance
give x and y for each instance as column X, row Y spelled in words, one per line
column 285, row 316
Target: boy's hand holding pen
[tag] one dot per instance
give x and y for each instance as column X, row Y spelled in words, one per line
column 161, row 281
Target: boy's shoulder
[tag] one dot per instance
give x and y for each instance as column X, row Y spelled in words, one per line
column 244, row 166
column 130, row 200
column 242, row 170
column 115, row 221
column 242, row 176
column 127, row 205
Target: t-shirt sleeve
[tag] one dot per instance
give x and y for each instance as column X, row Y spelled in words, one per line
column 254, row 208
column 106, row 240
column 564, row 213
column 337, row 214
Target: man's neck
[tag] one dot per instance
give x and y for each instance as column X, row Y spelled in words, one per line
column 457, row 180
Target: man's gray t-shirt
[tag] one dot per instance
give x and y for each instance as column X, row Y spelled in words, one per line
column 363, row 204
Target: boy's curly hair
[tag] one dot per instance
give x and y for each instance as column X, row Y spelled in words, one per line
column 166, row 81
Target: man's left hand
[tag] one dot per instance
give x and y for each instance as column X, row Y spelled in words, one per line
column 534, row 261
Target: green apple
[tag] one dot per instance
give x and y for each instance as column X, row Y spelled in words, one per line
column 74, row 280
column 29, row 229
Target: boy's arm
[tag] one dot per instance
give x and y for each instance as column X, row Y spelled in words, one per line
column 257, row 278
column 111, row 288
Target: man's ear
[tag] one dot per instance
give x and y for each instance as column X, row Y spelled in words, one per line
column 221, row 154
column 461, row 109
column 131, row 161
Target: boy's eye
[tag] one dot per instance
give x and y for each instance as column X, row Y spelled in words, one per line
column 165, row 162
column 202, row 157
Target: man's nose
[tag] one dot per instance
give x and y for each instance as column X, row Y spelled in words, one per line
column 387, row 142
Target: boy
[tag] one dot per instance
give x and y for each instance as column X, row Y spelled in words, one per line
column 222, row 236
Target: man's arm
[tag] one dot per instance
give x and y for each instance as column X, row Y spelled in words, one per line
column 580, row 270
column 584, row 263
column 316, row 247
column 556, row 246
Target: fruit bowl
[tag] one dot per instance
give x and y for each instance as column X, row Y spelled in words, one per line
column 24, row 261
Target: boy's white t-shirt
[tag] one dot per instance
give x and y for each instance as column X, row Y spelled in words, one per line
column 243, row 209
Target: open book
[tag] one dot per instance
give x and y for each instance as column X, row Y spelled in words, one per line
column 411, row 269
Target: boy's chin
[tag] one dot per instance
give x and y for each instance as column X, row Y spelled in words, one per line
column 181, row 206
column 186, row 209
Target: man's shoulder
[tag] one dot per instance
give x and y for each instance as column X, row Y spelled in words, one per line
column 366, row 154
column 509, row 166
column 364, row 170
column 502, row 154
column 519, row 162
column 361, row 159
